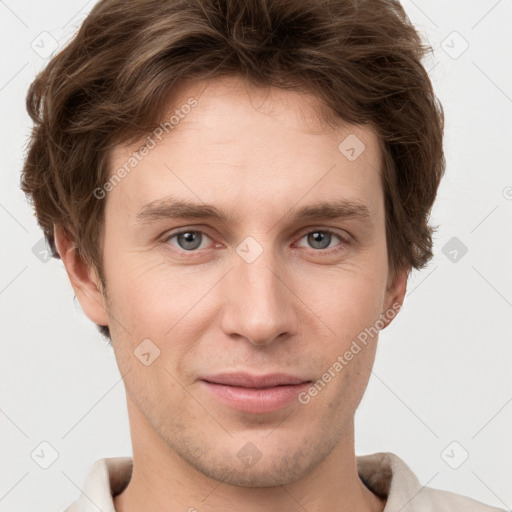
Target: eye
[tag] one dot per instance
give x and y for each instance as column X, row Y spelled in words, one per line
column 189, row 240
column 321, row 239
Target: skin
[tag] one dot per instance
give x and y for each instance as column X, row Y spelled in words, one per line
column 257, row 154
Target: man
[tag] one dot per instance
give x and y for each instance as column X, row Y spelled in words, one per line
column 238, row 191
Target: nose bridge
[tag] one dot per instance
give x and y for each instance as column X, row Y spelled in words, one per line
column 258, row 305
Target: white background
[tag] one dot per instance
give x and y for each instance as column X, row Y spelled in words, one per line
column 442, row 372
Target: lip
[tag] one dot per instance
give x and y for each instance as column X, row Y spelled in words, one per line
column 255, row 394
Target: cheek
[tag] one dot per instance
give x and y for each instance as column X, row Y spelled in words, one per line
column 140, row 286
column 348, row 315
column 347, row 301
column 153, row 301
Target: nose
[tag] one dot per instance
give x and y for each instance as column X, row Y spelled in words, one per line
column 259, row 300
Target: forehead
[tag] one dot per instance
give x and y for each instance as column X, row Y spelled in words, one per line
column 223, row 142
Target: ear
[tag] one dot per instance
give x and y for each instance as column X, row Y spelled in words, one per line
column 395, row 293
column 83, row 278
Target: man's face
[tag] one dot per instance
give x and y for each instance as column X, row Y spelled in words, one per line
column 260, row 291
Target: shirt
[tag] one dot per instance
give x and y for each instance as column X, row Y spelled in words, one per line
column 385, row 474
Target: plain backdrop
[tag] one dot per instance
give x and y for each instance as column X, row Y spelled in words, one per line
column 440, row 396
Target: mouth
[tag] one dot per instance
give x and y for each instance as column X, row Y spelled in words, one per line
column 255, row 394
column 247, row 380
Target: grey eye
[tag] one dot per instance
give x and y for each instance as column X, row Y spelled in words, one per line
column 189, row 240
column 319, row 239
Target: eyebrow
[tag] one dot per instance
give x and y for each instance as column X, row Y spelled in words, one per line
column 173, row 208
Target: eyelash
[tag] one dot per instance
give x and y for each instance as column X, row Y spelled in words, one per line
column 328, row 252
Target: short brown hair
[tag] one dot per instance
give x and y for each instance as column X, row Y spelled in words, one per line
column 361, row 58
